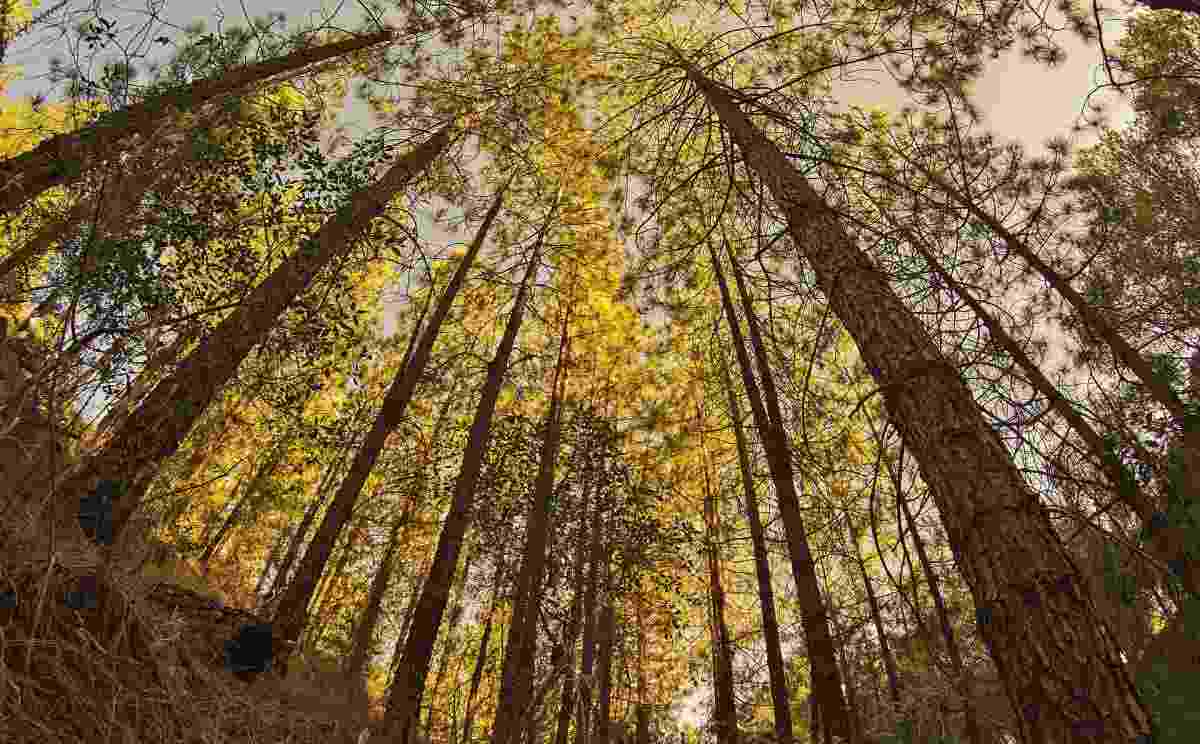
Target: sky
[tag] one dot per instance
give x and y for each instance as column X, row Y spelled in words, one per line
column 1021, row 100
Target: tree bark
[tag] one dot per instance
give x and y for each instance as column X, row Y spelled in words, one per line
column 167, row 414
column 290, row 617
column 827, row 685
column 725, row 715
column 780, row 696
column 1167, row 543
column 607, row 632
column 481, row 657
column 885, row 649
column 62, row 159
column 248, row 495
column 456, row 610
column 1060, row 666
column 364, row 631
column 310, row 515
column 567, row 698
column 118, row 195
column 516, row 679
column 971, row 722
column 596, row 557
column 404, row 700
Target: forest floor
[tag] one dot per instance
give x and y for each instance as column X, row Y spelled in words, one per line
column 102, row 644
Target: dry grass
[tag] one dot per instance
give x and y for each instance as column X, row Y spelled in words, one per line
column 142, row 660
column 143, row 663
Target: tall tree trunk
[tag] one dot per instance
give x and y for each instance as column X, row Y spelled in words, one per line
column 272, row 560
column 324, row 597
column 481, row 657
column 607, row 632
column 725, row 715
column 826, row 678
column 248, row 495
column 167, row 414
column 364, row 631
column 62, row 159
column 310, row 515
column 290, row 618
column 596, row 556
column 1167, row 543
column 404, row 699
column 448, row 649
column 419, row 579
column 965, row 683
column 1031, row 602
column 780, row 696
column 566, row 703
column 885, row 649
column 516, row 678
column 642, row 712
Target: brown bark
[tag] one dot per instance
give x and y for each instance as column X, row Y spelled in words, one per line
column 251, row 491
column 780, row 696
column 297, row 541
column 827, row 685
column 290, row 617
column 606, row 632
column 120, row 192
column 481, row 657
column 596, row 557
column 356, row 662
column 1167, row 543
column 273, row 556
column 1061, row 668
column 448, row 648
column 725, row 714
column 642, row 710
column 516, row 677
column 973, row 734
column 404, row 700
column 325, row 596
column 61, row 160
column 175, row 404
column 419, row 579
column 885, row 649
column 566, row 703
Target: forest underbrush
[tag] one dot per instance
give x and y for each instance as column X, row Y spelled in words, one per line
column 124, row 644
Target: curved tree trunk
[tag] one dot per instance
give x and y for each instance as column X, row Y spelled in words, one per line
column 1040, row 626
column 170, row 411
column 290, row 617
